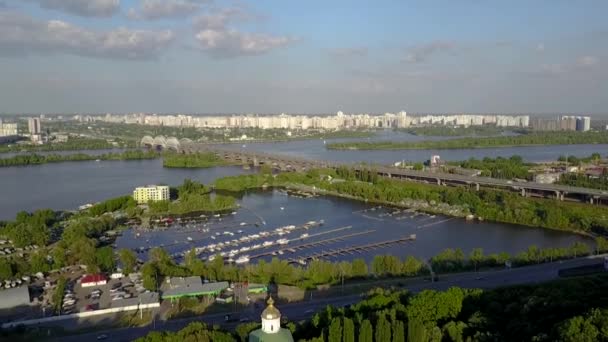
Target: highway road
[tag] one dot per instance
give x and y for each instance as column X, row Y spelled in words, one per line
column 304, row 310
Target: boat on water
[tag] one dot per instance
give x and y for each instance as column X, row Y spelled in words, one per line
column 303, row 236
column 267, row 243
column 242, row 260
column 243, row 223
column 281, row 252
column 189, row 238
column 282, row 241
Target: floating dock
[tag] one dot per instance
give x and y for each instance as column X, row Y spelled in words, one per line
column 353, row 249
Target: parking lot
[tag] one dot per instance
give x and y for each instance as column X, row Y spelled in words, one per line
column 108, row 295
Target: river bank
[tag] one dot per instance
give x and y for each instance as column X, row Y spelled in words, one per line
column 527, row 140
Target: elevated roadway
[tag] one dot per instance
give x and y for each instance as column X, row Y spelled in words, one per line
column 291, row 163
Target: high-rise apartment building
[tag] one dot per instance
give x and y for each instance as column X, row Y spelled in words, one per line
column 145, row 194
column 33, row 125
column 8, row 129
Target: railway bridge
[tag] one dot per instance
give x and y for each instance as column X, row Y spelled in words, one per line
column 291, row 163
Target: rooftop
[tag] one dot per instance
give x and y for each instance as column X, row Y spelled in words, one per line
column 190, row 286
column 17, row 296
column 144, row 298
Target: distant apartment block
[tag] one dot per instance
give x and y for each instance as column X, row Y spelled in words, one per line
column 564, row 123
column 145, row 194
column 334, row 122
column 8, row 129
column 33, row 125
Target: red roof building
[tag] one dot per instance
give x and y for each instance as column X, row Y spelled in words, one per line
column 93, row 280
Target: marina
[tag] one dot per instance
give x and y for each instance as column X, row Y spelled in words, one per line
column 340, row 232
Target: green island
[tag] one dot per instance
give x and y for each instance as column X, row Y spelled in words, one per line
column 532, row 139
column 192, row 197
column 72, row 144
column 170, row 159
column 193, row 160
column 455, row 131
column 571, row 310
column 36, row 159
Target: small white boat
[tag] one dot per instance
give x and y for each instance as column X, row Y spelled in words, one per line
column 282, row 208
column 242, row 260
column 189, row 238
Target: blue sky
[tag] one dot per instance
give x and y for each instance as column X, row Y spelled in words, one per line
column 215, row 56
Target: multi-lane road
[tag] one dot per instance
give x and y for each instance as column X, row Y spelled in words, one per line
column 305, row 309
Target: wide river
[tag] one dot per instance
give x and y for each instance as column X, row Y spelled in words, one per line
column 355, row 222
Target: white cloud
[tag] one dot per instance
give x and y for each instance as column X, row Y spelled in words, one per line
column 586, row 61
column 85, row 8
column 160, row 9
column 215, row 36
column 24, row 35
column 422, row 53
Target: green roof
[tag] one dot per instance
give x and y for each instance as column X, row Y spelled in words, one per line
column 283, row 335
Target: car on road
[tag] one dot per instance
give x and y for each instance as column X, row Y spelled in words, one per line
column 309, row 311
column 102, row 337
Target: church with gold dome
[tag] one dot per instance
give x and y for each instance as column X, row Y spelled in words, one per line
column 271, row 330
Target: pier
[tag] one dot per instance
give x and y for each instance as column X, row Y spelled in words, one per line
column 353, row 249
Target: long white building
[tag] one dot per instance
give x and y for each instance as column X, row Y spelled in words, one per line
column 333, row 122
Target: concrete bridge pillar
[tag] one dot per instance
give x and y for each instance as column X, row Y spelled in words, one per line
column 523, row 192
column 476, row 186
column 256, row 163
column 590, row 199
column 558, row 195
column 438, row 181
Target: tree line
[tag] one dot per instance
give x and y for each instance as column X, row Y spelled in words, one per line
column 71, row 145
column 37, row 159
column 536, row 138
column 499, row 167
column 454, row 131
column 193, row 160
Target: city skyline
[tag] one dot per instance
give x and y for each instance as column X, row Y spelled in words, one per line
column 195, row 56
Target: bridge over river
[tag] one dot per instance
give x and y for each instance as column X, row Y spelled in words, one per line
column 290, row 163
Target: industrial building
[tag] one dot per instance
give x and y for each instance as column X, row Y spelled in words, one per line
column 144, row 194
